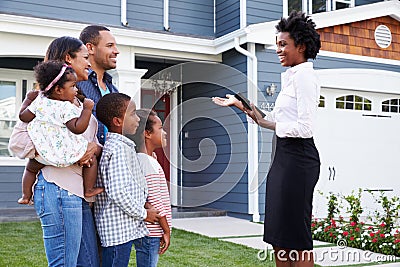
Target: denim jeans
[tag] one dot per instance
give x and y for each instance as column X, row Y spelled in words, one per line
column 116, row 256
column 88, row 253
column 147, row 251
column 60, row 214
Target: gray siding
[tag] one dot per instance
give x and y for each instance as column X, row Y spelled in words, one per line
column 145, row 14
column 226, row 128
column 192, row 17
column 91, row 11
column 366, row 2
column 10, row 186
column 259, row 11
column 227, row 13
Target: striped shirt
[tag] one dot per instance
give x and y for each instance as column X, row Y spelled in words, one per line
column 158, row 192
column 119, row 211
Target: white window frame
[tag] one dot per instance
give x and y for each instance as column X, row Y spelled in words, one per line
column 17, row 76
column 307, row 5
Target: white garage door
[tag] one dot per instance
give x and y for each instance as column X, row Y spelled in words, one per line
column 359, row 144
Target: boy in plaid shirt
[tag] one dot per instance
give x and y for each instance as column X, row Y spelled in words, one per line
column 120, row 210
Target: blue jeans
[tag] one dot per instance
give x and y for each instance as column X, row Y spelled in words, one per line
column 61, row 216
column 117, row 256
column 147, row 251
column 88, row 252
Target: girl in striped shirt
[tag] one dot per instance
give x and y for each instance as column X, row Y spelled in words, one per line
column 150, row 136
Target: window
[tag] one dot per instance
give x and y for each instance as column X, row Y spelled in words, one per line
column 353, row 102
column 321, row 101
column 13, row 86
column 391, row 105
column 8, row 91
column 315, row 6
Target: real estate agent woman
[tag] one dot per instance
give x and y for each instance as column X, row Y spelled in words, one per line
column 295, row 168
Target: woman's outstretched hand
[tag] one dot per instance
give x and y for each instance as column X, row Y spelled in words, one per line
column 230, row 100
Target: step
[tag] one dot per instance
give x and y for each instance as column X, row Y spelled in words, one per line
column 194, row 212
column 22, row 214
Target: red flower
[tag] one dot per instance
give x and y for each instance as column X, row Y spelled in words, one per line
column 369, row 228
column 313, row 225
column 357, row 229
column 371, row 234
column 353, row 223
column 345, row 233
column 383, row 225
column 374, row 240
column 351, row 238
column 330, row 234
column 397, row 241
column 382, row 235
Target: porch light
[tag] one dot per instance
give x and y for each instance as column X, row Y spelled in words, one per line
column 270, row 89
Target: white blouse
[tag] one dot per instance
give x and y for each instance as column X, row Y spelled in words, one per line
column 296, row 105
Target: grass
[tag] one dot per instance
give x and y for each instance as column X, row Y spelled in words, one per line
column 21, row 245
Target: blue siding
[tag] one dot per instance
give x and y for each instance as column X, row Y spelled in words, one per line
column 259, row 11
column 366, row 2
column 225, row 127
column 91, row 11
column 192, row 17
column 145, row 14
column 227, row 16
column 10, row 186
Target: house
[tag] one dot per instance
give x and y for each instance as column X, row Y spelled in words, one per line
column 176, row 54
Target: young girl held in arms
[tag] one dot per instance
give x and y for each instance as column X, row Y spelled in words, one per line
column 55, row 125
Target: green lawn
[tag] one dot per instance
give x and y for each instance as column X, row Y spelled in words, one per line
column 21, row 245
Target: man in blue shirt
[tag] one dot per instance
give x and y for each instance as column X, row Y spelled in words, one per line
column 103, row 52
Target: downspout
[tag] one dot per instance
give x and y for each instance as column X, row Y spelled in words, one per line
column 252, row 144
column 166, row 15
column 124, row 20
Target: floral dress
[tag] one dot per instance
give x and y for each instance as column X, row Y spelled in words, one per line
column 54, row 142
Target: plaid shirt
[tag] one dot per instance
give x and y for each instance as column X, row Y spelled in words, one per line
column 119, row 211
column 91, row 90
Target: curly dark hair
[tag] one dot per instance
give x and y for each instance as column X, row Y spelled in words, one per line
column 46, row 71
column 111, row 106
column 302, row 30
column 146, row 122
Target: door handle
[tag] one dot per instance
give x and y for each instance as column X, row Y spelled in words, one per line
column 330, row 173
column 334, row 173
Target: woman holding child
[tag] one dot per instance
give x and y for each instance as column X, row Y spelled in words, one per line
column 67, row 222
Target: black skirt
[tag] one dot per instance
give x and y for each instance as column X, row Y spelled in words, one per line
column 290, row 186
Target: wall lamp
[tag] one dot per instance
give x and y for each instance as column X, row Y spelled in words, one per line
column 270, row 89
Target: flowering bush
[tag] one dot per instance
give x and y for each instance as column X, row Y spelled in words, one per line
column 383, row 236
column 358, row 235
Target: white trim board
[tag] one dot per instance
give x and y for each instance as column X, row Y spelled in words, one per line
column 367, row 80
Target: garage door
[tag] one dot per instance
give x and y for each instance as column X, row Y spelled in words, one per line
column 357, row 136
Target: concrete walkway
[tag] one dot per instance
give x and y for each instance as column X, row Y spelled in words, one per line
column 246, row 233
